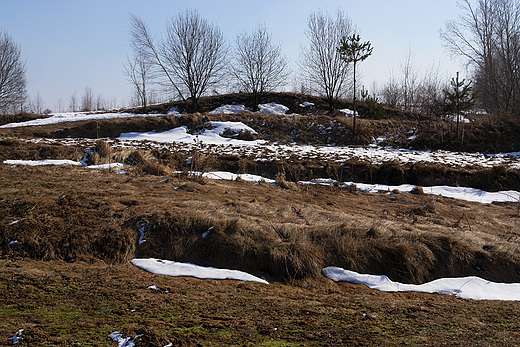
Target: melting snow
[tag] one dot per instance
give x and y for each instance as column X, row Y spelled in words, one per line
column 74, row 117
column 176, row 269
column 41, row 162
column 206, row 136
column 272, row 108
column 229, row 109
column 463, row 287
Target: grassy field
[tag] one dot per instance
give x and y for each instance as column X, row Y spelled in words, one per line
column 67, row 235
column 67, row 280
column 81, row 303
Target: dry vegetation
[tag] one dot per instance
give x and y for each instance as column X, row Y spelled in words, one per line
column 68, row 233
column 83, row 225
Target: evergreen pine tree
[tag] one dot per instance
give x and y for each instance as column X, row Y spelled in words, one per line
column 352, row 51
column 458, row 98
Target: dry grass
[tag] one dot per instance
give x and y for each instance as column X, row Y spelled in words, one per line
column 74, row 304
column 280, row 234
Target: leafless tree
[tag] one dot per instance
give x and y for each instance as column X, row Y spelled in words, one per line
column 139, row 73
column 37, row 104
column 100, row 103
column 487, row 37
column 390, row 93
column 195, row 53
column 320, row 61
column 259, row 66
column 73, row 102
column 59, row 105
column 87, row 100
column 142, row 41
column 192, row 54
column 408, row 83
column 12, row 74
column 429, row 92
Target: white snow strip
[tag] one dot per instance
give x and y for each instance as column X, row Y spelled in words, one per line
column 74, row 117
column 228, row 176
column 107, row 166
column 463, row 287
column 42, row 162
column 206, row 136
column 176, row 269
column 65, row 162
column 461, row 193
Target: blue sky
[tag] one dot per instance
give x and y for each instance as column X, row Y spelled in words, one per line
column 72, row 44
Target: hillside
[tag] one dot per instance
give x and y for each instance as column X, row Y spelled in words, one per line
column 67, row 234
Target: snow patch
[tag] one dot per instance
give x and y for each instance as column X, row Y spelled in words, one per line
column 472, row 287
column 206, row 136
column 42, row 162
column 348, row 112
column 74, row 117
column 228, row 109
column 123, row 341
column 272, row 108
column 176, row 269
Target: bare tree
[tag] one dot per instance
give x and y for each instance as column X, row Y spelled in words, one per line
column 12, row 74
column 87, row 100
column 429, row 92
column 192, row 55
column 37, row 104
column 139, row 72
column 408, row 83
column 59, row 105
column 390, row 93
column 487, row 37
column 195, row 53
column 259, row 66
column 100, row 103
column 73, row 102
column 142, row 41
column 320, row 61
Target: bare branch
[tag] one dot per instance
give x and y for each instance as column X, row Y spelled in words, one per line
column 321, row 62
column 12, row 75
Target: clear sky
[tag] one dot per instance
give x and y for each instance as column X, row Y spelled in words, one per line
column 72, row 44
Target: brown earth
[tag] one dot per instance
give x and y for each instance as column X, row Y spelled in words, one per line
column 81, row 303
column 67, row 235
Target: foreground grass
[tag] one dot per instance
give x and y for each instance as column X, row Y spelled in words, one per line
column 80, row 304
column 84, row 288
